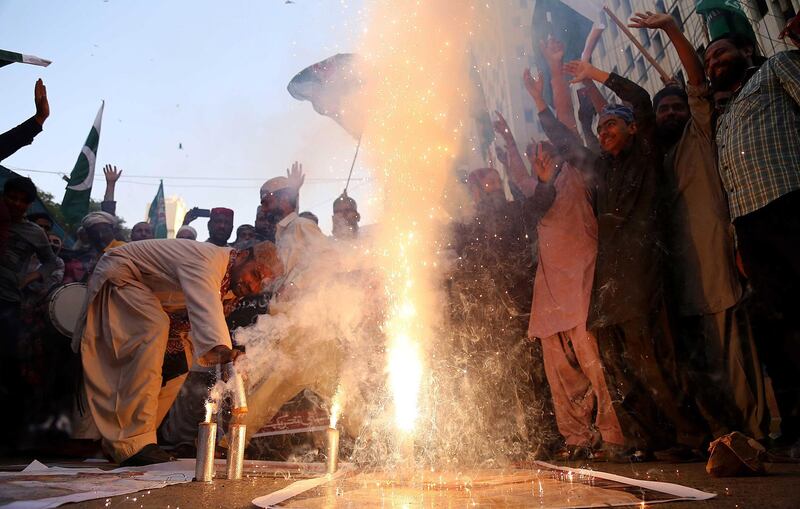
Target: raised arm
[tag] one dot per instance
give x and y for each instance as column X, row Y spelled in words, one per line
column 625, row 89
column 695, row 74
column 515, row 163
column 16, row 138
column 112, row 175
column 553, row 51
column 566, row 141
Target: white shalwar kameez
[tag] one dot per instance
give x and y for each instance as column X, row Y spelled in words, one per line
column 124, row 336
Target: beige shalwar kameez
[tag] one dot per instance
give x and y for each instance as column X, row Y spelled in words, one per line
column 124, row 336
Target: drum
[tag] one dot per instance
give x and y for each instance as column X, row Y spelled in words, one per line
column 64, row 307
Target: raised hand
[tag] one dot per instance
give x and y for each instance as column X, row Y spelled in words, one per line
column 553, row 51
column 652, row 20
column 40, row 99
column 501, row 126
column 296, row 176
column 111, row 173
column 534, row 86
column 581, row 70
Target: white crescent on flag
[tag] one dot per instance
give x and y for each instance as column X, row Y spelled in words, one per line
column 87, row 182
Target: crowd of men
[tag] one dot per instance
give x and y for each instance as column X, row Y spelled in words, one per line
column 651, row 269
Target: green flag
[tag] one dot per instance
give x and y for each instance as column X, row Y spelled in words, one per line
column 10, row 57
column 725, row 17
column 79, row 186
column 157, row 217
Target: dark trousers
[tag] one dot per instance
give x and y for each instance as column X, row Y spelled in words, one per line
column 636, row 354
column 769, row 243
column 10, row 375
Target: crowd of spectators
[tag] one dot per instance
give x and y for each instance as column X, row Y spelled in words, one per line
column 649, row 270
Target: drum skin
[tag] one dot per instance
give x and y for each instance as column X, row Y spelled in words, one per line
column 64, row 307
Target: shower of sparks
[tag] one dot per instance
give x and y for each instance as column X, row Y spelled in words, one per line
column 336, row 407
column 416, row 53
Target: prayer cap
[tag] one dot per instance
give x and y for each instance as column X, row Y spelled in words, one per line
column 96, row 218
column 274, row 184
column 618, row 110
column 222, row 211
column 187, row 229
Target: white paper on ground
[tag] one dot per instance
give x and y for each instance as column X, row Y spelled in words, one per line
column 86, row 487
column 296, row 488
column 683, row 492
column 676, row 490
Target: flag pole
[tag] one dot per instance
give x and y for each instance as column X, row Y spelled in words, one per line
column 353, row 165
column 642, row 50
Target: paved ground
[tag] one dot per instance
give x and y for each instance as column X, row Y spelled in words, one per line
column 779, row 489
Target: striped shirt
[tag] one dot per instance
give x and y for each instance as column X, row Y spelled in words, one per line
column 757, row 136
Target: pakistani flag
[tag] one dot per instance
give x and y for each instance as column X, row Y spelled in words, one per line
column 79, row 186
column 9, row 57
column 333, row 87
column 157, row 217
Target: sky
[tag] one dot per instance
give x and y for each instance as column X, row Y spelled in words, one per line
column 194, row 91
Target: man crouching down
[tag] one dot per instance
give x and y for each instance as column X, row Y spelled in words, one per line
column 124, row 335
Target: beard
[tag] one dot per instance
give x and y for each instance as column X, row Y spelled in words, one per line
column 730, row 74
column 670, row 132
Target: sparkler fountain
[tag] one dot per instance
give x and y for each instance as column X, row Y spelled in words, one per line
column 417, row 57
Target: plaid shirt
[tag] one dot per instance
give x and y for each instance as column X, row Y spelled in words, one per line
column 757, row 136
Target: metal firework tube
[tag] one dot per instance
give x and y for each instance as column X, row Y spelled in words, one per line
column 236, row 434
column 206, row 443
column 239, row 395
column 332, row 437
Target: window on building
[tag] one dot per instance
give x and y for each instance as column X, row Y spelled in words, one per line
column 628, row 59
column 601, row 47
column 787, row 10
column 676, row 13
column 644, row 37
column 520, row 51
column 660, row 6
column 616, row 4
column 680, row 77
column 528, row 115
column 762, row 8
column 615, row 70
column 627, row 9
column 658, row 46
column 641, row 69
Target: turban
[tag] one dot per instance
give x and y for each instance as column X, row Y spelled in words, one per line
column 221, row 211
column 618, row 110
column 274, row 184
column 187, row 229
column 266, row 257
column 96, row 218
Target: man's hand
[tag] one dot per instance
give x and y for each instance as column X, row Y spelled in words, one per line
column 220, row 354
column 544, row 165
column 191, row 215
column 112, row 174
column 553, row 51
column 657, row 20
column 581, row 71
column 534, row 86
column 40, row 99
column 501, row 126
column 296, row 176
